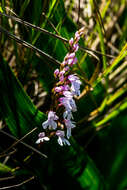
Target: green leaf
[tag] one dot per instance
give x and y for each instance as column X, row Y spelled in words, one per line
column 4, row 168
column 23, row 7
column 74, row 166
column 112, row 149
column 15, row 106
column 115, row 112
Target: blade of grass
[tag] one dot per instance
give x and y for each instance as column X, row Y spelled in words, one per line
column 18, row 185
column 56, row 36
column 18, row 111
column 52, row 7
column 37, row 28
column 102, row 45
column 28, row 45
column 122, row 55
column 25, row 144
column 99, row 18
column 115, row 112
column 23, row 7
column 106, row 102
column 18, row 141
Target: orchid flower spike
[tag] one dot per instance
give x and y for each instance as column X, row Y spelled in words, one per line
column 64, row 92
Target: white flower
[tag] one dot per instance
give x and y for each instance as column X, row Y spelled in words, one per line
column 61, row 140
column 69, row 124
column 42, row 138
column 75, row 84
column 68, row 103
column 50, row 121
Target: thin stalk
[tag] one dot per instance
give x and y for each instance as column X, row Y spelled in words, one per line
column 25, row 144
column 28, row 45
column 52, row 34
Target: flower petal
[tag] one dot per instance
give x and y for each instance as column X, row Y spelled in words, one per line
column 66, row 142
column 68, row 132
column 45, row 124
column 46, row 139
column 53, row 124
column 60, row 141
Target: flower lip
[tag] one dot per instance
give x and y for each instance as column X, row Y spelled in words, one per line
column 73, row 77
column 42, row 138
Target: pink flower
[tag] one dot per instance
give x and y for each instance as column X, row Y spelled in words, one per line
column 68, row 101
column 61, row 88
column 61, row 75
column 66, row 68
column 70, row 55
column 73, row 61
column 75, row 47
column 70, row 59
column 56, row 72
column 66, row 87
column 77, row 36
column 71, row 41
column 58, row 89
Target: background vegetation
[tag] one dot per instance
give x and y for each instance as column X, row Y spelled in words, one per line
column 33, row 41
